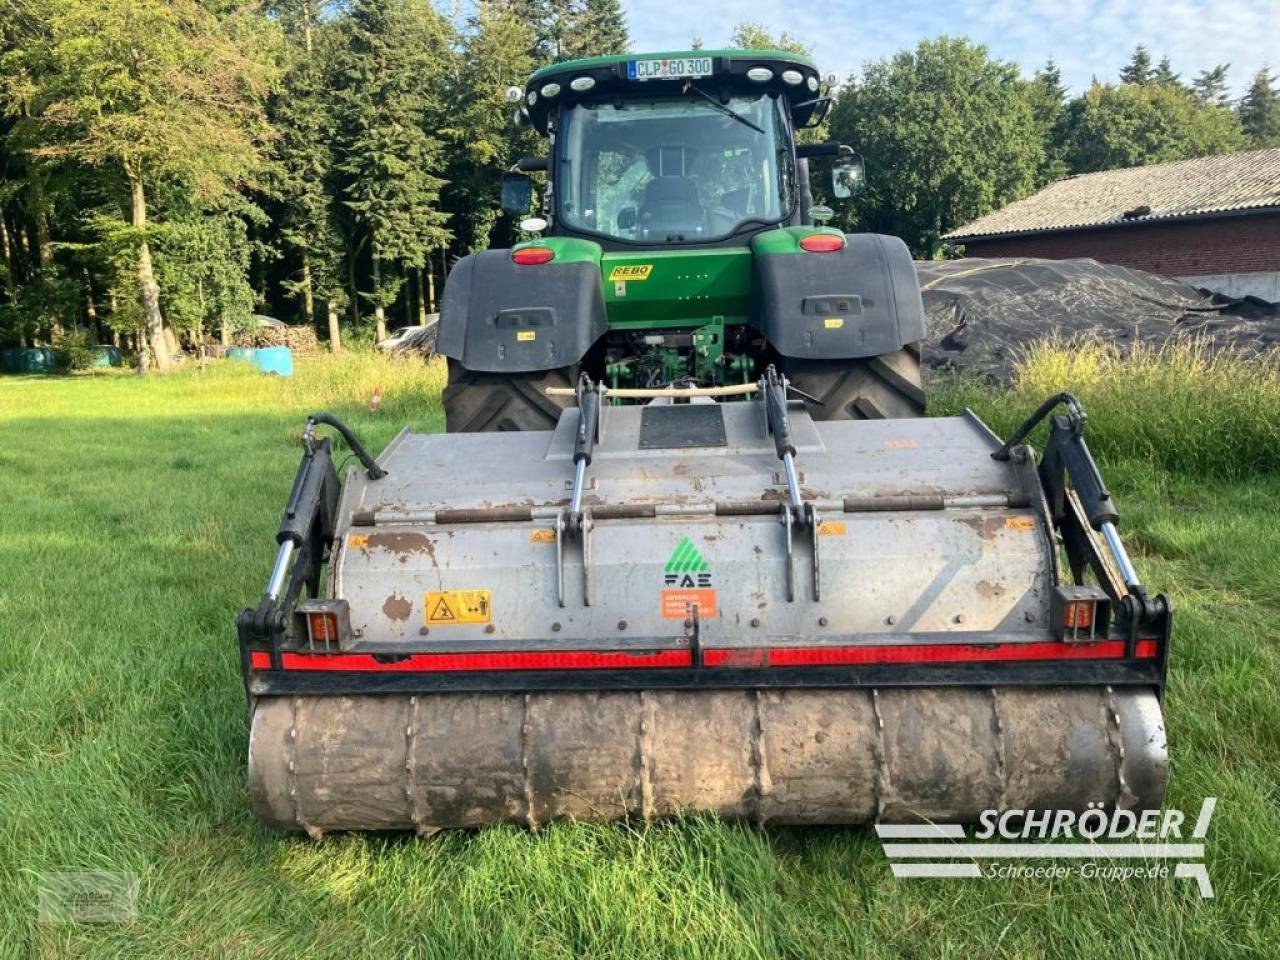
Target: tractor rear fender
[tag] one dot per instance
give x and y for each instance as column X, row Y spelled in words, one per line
column 499, row 316
column 862, row 300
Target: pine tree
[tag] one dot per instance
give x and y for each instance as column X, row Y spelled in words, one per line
column 306, row 128
column 1164, row 75
column 1048, row 105
column 1138, row 71
column 1259, row 111
column 1210, row 86
column 483, row 142
column 391, row 71
column 602, row 29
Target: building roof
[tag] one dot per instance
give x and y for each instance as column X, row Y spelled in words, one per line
column 1228, row 183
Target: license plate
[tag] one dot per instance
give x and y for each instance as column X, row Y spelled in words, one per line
column 678, row 68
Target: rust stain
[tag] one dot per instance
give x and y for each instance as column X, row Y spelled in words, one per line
column 401, row 542
column 397, row 607
column 985, row 527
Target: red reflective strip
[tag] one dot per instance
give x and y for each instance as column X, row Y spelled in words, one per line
column 438, row 662
column 921, row 653
column 748, row 657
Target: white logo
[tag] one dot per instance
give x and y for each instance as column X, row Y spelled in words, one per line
column 1096, row 843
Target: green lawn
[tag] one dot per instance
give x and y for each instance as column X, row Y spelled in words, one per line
column 138, row 515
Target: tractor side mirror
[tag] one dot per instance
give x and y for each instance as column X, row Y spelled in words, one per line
column 848, row 176
column 517, row 193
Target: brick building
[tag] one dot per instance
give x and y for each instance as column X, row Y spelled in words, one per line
column 1212, row 221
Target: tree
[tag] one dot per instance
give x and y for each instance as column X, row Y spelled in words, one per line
column 391, row 80
column 1047, row 96
column 600, row 29
column 156, row 90
column 948, row 134
column 1125, row 126
column 1259, row 111
column 1138, row 70
column 483, row 142
column 303, row 172
column 1210, row 86
column 754, row 36
column 1163, row 74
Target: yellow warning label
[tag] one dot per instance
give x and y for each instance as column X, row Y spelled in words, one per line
column 832, row 528
column 631, row 271
column 458, row 607
column 358, row 541
column 542, row 536
column 1020, row 523
column 526, row 334
column 833, row 323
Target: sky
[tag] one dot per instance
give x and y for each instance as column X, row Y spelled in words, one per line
column 1087, row 38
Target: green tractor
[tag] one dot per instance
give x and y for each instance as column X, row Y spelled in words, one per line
column 680, row 247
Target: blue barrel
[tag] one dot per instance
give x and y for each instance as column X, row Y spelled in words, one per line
column 241, row 353
column 36, row 360
column 277, row 360
column 106, row 356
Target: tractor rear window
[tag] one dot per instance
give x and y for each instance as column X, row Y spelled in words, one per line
column 673, row 170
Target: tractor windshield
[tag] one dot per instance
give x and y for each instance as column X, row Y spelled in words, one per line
column 673, row 170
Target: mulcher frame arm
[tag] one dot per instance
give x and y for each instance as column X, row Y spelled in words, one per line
column 1080, row 505
column 305, row 537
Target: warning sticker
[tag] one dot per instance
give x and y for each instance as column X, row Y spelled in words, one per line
column 526, row 335
column 458, row 607
column 631, row 271
column 832, row 528
column 358, row 541
column 542, row 536
column 679, row 604
column 1025, row 524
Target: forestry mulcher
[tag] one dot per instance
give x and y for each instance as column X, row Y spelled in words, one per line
column 688, row 543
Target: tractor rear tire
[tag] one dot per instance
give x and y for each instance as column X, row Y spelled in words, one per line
column 490, row 402
column 877, row 388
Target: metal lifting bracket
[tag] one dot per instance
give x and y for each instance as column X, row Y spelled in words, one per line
column 1067, row 457
column 574, row 522
column 795, row 512
column 305, row 535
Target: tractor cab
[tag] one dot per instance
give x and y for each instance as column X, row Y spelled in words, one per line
column 689, row 148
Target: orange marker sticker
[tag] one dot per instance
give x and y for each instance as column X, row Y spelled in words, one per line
column 678, row 604
column 1024, row 524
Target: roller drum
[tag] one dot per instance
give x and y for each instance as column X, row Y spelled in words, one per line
column 820, row 756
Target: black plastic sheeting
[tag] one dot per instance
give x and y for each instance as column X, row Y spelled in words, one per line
column 980, row 313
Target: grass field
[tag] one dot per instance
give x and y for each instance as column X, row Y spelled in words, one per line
column 136, row 515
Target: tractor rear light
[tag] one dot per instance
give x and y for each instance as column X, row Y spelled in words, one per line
column 532, row 256
column 822, row 243
column 1081, row 613
column 325, row 625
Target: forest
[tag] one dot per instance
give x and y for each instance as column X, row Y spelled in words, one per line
column 171, row 168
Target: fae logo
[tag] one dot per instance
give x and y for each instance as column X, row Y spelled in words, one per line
column 686, row 568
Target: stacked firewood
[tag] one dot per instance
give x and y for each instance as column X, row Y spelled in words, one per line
column 301, row 340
